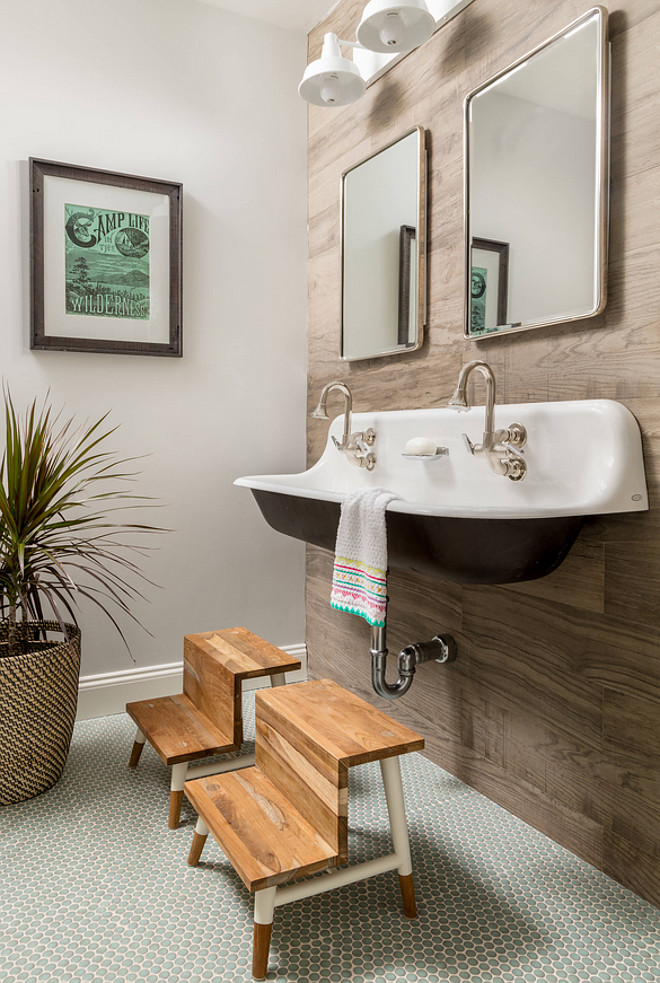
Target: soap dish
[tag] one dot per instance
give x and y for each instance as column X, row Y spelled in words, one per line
column 439, row 452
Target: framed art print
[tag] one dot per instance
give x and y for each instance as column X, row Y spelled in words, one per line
column 407, row 270
column 105, row 260
column 489, row 285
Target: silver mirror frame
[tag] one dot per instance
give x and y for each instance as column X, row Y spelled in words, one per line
column 421, row 248
column 603, row 168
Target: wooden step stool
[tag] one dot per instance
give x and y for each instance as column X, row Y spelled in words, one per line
column 207, row 718
column 287, row 817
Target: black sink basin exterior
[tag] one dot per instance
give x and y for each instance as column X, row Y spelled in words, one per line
column 465, row 550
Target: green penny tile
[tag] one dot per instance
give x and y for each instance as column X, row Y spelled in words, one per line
column 101, row 892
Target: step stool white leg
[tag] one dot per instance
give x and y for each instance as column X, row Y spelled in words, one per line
column 179, row 772
column 391, row 773
column 199, row 839
column 278, row 679
column 264, row 906
column 138, row 744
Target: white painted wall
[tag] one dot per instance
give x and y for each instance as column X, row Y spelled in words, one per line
column 184, row 92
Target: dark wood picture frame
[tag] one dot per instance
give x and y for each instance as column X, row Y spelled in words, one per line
column 47, row 331
column 502, row 249
column 407, row 238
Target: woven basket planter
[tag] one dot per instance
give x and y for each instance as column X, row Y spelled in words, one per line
column 38, row 700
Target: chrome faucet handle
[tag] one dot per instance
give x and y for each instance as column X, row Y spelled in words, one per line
column 515, row 468
column 353, row 440
column 503, row 457
column 510, row 442
column 471, row 448
column 362, row 456
column 508, row 461
column 514, row 436
column 356, row 447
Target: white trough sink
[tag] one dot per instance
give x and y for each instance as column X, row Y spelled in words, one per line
column 455, row 517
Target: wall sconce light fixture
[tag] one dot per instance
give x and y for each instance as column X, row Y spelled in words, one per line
column 332, row 80
column 387, row 27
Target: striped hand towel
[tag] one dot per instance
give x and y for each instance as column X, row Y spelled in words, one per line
column 359, row 582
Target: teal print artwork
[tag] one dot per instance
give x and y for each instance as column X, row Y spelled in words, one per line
column 479, row 280
column 106, row 263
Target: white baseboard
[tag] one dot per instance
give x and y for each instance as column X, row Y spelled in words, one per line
column 108, row 693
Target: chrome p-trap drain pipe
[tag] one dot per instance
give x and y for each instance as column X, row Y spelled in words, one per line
column 441, row 648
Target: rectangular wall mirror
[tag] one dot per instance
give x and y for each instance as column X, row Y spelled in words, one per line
column 536, row 185
column 382, row 250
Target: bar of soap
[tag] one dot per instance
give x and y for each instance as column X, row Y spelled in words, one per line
column 421, row 447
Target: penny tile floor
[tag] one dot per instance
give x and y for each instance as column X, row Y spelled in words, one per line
column 95, row 888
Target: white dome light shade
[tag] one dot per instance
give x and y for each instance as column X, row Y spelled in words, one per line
column 331, row 80
column 387, row 26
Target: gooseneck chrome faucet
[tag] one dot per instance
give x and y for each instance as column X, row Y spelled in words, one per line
column 354, row 445
column 499, row 447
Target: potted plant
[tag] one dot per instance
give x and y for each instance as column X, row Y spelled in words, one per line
column 60, row 541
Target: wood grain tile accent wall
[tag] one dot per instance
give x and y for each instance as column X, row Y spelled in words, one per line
column 553, row 707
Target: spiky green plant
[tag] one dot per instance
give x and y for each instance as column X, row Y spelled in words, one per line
column 60, row 536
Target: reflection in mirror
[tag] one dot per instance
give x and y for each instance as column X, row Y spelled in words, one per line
column 383, row 251
column 536, row 185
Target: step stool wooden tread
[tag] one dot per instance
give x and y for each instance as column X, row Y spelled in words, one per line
column 215, row 664
column 243, row 653
column 265, row 838
column 179, row 731
column 335, row 723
